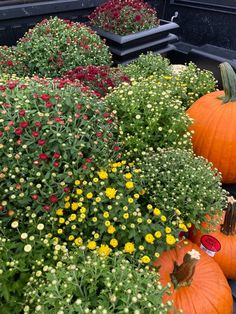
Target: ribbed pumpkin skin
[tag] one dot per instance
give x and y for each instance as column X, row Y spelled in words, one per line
column 214, row 135
column 209, row 292
column 226, row 257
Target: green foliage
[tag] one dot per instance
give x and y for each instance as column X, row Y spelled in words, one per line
column 178, row 180
column 49, row 134
column 146, row 65
column 82, row 283
column 55, row 46
column 150, row 115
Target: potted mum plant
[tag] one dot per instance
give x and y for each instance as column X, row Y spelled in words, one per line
column 131, row 27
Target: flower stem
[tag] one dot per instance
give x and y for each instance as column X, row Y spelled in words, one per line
column 183, row 274
column 229, row 225
column 229, row 82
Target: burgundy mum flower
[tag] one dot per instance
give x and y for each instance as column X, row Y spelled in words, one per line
column 43, row 156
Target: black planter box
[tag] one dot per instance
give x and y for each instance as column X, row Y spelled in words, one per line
column 126, row 48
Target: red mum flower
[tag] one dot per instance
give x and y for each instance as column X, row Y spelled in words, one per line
column 18, row 131
column 53, row 199
column 43, row 156
column 45, row 97
column 35, row 133
column 34, row 197
column 37, row 124
column 56, row 155
column 24, row 124
column 22, row 113
column 137, row 18
column 10, row 63
column 56, row 164
column 41, row 142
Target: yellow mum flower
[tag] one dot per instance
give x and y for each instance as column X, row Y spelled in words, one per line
column 107, row 223
column 149, row 206
column 82, row 216
column 72, row 217
column 114, row 170
column 71, row 237
column 142, row 192
column 83, row 210
column 59, row 231
column 104, row 250
column 130, row 200
column 92, row 245
column 79, row 191
column 156, row 212
column 78, row 241
column 149, row 238
column 111, row 229
column 157, row 234
column 98, row 199
column 139, row 220
column 189, row 225
column 126, row 216
column 168, row 230
column 89, row 195
column 106, row 214
column 103, row 175
column 61, row 220
column 178, row 212
column 67, row 198
column 114, row 243
column 129, row 247
column 67, row 205
column 73, row 227
column 123, row 162
column 110, row 192
column 94, row 219
column 95, row 180
column 141, row 247
column 129, row 185
column 77, row 182
column 136, row 196
column 74, row 206
column 170, row 239
column 163, row 218
column 145, row 259
column 128, row 176
column 183, row 227
column 59, row 212
column 96, row 236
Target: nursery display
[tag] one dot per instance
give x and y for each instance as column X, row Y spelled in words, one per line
column 197, row 282
column 214, row 126
column 131, row 27
column 99, row 183
column 226, row 235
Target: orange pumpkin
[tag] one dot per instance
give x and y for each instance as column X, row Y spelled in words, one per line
column 214, row 126
column 226, row 235
column 197, row 285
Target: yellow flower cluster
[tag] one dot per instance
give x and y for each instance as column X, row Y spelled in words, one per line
column 106, row 211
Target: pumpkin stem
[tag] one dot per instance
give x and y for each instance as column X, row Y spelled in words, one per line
column 229, row 82
column 182, row 274
column 229, row 225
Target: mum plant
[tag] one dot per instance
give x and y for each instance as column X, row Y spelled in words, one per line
column 183, row 184
column 24, row 245
column 150, row 114
column 100, row 79
column 107, row 211
column 86, row 283
column 146, row 65
column 55, row 46
column 50, row 132
column 124, row 17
